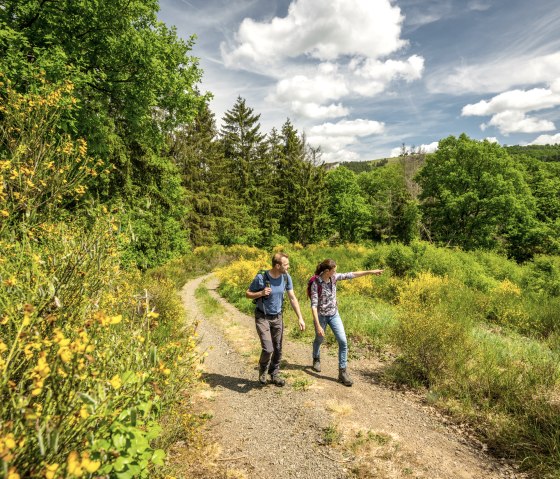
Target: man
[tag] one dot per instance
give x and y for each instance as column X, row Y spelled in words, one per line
column 268, row 288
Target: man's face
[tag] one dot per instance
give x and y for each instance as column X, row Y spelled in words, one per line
column 284, row 265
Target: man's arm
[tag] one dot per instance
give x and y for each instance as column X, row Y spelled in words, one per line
column 295, row 307
column 257, row 294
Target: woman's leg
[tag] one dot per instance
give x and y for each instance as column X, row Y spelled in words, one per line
column 335, row 322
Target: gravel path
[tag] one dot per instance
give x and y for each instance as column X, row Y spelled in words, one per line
column 314, row 427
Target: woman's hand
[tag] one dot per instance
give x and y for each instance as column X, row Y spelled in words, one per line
column 319, row 330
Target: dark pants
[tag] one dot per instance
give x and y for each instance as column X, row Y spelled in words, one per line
column 270, row 329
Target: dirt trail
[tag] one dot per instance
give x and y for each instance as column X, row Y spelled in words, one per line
column 314, row 427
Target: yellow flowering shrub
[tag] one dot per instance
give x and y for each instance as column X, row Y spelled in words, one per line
column 505, row 306
column 429, row 338
column 87, row 360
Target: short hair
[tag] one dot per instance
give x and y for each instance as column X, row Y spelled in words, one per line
column 277, row 258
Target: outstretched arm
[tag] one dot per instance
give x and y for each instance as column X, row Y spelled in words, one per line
column 295, row 306
column 376, row 272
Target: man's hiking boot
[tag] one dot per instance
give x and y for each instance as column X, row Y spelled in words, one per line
column 344, row 378
column 317, row 365
column 262, row 375
column 278, row 380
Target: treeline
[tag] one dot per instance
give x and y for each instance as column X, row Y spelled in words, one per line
column 175, row 180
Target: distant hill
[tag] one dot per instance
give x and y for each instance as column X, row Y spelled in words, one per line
column 540, row 152
column 362, row 166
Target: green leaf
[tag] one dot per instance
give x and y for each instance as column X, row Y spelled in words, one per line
column 158, row 457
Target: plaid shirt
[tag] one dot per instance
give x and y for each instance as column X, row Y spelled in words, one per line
column 326, row 304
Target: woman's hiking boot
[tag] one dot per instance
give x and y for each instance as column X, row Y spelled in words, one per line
column 344, row 378
column 317, row 365
column 278, row 380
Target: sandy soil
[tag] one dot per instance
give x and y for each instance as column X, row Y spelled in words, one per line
column 314, row 427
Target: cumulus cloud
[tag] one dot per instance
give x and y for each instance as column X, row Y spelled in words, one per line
column 333, row 138
column 326, row 85
column 373, row 75
column 318, row 112
column 519, row 100
column 546, row 140
column 517, row 122
column 509, row 110
column 321, row 30
column 321, row 53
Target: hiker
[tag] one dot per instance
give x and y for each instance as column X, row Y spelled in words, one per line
column 322, row 292
column 267, row 290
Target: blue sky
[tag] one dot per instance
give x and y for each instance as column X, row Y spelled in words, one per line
column 362, row 77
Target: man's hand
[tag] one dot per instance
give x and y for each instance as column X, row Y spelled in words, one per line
column 301, row 324
column 319, row 330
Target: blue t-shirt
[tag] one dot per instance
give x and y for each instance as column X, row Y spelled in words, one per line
column 272, row 304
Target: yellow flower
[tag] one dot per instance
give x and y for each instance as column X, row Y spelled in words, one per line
column 50, row 470
column 152, row 314
column 65, row 354
column 116, row 319
column 89, row 465
column 4, row 213
column 3, row 347
column 74, row 465
column 12, row 474
column 116, row 381
column 84, row 414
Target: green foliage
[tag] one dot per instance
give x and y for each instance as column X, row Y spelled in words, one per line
column 474, row 196
column 134, row 83
column 394, row 213
column 348, row 210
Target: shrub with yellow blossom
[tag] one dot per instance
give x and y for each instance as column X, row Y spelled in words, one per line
column 87, row 365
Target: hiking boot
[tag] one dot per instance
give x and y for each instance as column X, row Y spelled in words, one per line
column 344, row 378
column 262, row 375
column 317, row 365
column 278, row 380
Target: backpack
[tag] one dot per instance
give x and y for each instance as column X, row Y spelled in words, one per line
column 310, row 282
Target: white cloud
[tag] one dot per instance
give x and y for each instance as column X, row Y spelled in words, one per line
column 322, row 53
column 517, row 122
column 491, row 139
column 509, row 110
column 318, row 112
column 333, row 138
column 546, row 140
column 321, row 30
column 320, row 88
column 518, row 100
column 376, row 75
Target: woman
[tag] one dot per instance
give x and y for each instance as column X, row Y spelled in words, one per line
column 325, row 313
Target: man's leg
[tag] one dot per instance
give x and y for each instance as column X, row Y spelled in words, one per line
column 263, row 330
column 277, row 333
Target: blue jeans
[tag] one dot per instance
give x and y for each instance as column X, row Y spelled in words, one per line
column 338, row 329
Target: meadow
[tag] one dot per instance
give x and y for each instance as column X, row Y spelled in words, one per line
column 478, row 333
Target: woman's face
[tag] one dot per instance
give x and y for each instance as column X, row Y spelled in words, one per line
column 329, row 272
